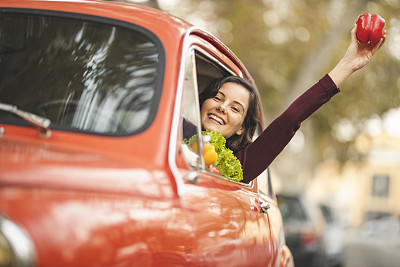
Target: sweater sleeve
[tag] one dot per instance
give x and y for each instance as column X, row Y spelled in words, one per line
column 257, row 156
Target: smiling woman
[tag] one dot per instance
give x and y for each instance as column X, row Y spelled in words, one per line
column 229, row 105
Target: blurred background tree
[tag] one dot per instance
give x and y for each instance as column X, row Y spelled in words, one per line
column 287, row 45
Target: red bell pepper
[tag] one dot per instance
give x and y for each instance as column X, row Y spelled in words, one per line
column 370, row 28
column 213, row 169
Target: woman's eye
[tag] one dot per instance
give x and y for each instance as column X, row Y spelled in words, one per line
column 235, row 109
column 217, row 98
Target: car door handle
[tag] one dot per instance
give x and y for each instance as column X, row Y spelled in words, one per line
column 265, row 205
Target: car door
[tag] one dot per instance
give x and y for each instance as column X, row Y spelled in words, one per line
column 228, row 223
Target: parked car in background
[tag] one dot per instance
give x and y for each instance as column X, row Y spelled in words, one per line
column 332, row 238
column 93, row 168
column 303, row 229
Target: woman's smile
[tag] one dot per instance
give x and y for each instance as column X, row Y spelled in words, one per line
column 216, row 119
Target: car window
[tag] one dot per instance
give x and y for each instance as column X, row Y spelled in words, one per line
column 292, row 209
column 264, row 183
column 200, row 72
column 190, row 116
column 83, row 73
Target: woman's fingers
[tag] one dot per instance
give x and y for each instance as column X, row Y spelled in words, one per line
column 353, row 33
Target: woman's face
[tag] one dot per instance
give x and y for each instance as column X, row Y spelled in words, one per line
column 225, row 112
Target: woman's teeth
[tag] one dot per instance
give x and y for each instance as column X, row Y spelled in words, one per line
column 217, row 119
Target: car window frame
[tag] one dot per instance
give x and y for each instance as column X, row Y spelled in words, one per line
column 198, row 52
column 194, row 39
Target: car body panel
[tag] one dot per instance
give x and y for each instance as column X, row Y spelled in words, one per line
column 96, row 200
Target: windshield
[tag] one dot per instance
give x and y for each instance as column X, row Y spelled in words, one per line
column 84, row 74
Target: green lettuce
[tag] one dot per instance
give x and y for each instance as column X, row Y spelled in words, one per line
column 227, row 163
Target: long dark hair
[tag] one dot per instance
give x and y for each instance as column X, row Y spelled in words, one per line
column 237, row 142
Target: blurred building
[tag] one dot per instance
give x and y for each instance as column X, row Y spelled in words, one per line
column 380, row 190
column 359, row 192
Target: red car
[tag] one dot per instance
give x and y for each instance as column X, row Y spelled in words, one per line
column 93, row 169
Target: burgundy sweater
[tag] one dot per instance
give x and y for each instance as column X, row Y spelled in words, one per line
column 257, row 156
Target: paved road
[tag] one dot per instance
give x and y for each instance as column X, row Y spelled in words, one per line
column 369, row 249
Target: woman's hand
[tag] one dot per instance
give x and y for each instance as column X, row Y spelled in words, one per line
column 356, row 57
column 358, row 54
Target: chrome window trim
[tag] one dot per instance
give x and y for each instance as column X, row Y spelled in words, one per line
column 176, row 118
